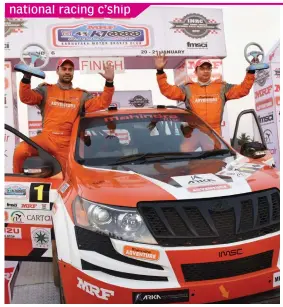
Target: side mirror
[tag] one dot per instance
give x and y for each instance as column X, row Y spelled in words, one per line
column 254, row 150
column 37, row 167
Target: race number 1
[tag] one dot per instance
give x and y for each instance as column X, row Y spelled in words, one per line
column 39, row 192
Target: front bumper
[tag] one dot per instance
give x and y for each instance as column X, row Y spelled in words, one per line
column 106, row 280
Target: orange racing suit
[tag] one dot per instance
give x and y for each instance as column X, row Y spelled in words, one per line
column 207, row 101
column 59, row 108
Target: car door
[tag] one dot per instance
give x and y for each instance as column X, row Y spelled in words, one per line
column 247, row 133
column 28, row 202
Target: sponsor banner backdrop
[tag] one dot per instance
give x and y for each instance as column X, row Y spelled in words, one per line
column 10, row 119
column 181, row 31
column 121, row 99
column 267, row 101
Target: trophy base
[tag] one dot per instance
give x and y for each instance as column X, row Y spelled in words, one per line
column 30, row 70
column 259, row 66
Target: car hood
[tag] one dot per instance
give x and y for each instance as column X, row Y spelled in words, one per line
column 126, row 185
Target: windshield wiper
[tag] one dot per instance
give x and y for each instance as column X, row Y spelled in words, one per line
column 152, row 157
column 213, row 153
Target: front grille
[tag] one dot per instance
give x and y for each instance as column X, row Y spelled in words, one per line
column 225, row 269
column 213, row 220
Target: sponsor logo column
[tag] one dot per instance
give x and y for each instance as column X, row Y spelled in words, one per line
column 265, row 108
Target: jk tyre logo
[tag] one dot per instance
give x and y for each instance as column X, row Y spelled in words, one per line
column 195, row 25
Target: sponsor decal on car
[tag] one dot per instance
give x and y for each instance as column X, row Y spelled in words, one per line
column 202, row 183
column 161, row 297
column 276, row 279
column 13, row 233
column 16, row 191
column 141, row 253
column 93, row 290
column 40, row 237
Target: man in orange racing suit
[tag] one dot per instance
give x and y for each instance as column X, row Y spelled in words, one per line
column 60, row 105
column 205, row 98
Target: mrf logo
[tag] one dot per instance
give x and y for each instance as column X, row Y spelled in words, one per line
column 93, row 290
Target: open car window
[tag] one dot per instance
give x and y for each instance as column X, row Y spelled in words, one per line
column 103, row 140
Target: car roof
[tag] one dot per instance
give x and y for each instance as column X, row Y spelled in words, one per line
column 115, row 111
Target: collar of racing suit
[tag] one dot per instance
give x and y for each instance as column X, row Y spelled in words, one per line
column 204, row 83
column 68, row 87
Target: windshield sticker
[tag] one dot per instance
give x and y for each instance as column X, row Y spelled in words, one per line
column 202, row 182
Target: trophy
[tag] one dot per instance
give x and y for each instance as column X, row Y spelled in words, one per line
column 30, row 68
column 256, row 62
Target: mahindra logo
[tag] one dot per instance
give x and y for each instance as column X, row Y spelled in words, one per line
column 221, row 205
column 230, row 253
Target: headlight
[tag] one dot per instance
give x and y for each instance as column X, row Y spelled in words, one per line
column 117, row 222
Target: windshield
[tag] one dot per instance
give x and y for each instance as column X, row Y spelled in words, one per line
column 106, row 140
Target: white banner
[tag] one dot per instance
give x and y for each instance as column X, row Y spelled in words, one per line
column 179, row 31
column 121, row 99
column 95, row 65
column 10, row 119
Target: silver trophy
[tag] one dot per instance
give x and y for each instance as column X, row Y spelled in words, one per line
column 33, row 51
column 255, row 62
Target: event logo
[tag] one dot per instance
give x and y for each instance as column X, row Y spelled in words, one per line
column 138, row 101
column 14, row 26
column 195, row 25
column 100, row 34
column 261, row 77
